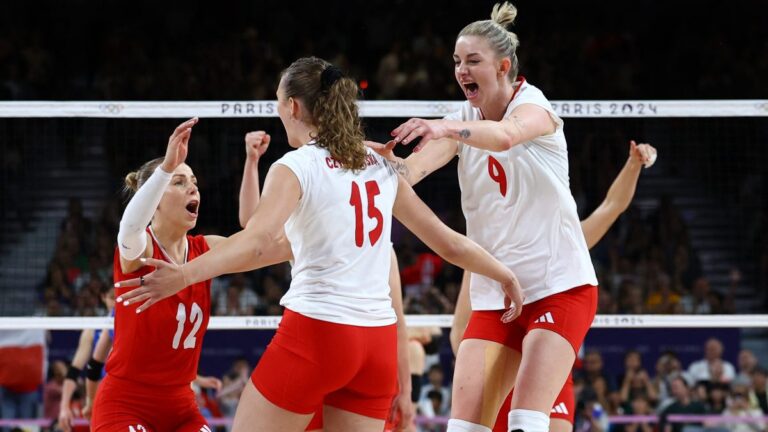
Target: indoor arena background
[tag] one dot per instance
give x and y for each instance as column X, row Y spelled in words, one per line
column 687, row 77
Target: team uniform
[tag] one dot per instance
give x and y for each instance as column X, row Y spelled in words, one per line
column 155, row 357
column 337, row 341
column 519, row 207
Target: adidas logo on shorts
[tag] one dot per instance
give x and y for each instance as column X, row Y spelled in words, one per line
column 546, row 318
column 560, row 409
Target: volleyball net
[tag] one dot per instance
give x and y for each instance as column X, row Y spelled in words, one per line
column 700, row 211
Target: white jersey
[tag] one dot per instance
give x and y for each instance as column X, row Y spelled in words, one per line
column 340, row 237
column 519, row 207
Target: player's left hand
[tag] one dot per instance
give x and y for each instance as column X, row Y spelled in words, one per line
column 642, row 153
column 165, row 281
column 401, row 414
column 426, row 129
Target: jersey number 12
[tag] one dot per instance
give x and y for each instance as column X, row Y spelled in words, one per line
column 195, row 317
column 356, row 201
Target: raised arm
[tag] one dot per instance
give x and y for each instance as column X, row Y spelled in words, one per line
column 619, row 194
column 524, row 123
column 253, row 247
column 256, row 143
column 454, row 247
column 132, row 239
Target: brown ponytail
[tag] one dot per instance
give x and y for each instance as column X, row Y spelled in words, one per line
column 331, row 98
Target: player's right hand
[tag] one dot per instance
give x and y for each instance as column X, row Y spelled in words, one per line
column 65, row 419
column 384, row 150
column 513, row 300
column 178, row 145
column 256, row 143
column 165, row 281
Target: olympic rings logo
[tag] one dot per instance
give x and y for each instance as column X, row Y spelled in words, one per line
column 441, row 108
column 111, row 108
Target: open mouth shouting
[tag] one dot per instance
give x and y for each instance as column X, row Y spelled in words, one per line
column 471, row 89
column 192, row 208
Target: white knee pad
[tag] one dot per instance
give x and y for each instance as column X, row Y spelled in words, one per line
column 456, row 425
column 528, row 421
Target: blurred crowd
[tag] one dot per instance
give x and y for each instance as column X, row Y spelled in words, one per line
column 234, row 50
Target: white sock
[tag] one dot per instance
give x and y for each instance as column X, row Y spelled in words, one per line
column 456, row 425
column 528, row 421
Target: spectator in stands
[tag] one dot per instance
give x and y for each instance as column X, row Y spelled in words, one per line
column 702, row 370
column 636, row 381
column 716, row 396
column 698, row 300
column 758, row 396
column 746, row 364
column 738, row 406
column 631, row 298
column 640, row 407
column 682, row 405
column 668, row 367
column 594, row 377
column 662, row 300
column 436, row 378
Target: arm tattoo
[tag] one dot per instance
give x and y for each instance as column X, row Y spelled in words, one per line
column 401, row 168
column 464, row 133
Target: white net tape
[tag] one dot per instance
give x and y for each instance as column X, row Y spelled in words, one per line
column 264, row 108
column 444, row 321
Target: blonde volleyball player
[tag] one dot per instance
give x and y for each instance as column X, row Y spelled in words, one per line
column 337, row 342
column 513, row 172
column 594, row 227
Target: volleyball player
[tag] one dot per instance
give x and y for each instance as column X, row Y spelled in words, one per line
column 155, row 356
column 595, row 226
column 85, row 346
column 513, row 172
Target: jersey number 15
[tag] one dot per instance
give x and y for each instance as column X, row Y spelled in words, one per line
column 371, row 190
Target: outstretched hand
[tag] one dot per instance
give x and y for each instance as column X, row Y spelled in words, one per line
column 165, row 281
column 414, row 128
column 178, row 145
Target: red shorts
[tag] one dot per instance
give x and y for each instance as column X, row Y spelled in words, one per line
column 316, row 424
column 563, row 408
column 311, row 363
column 123, row 406
column 569, row 314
